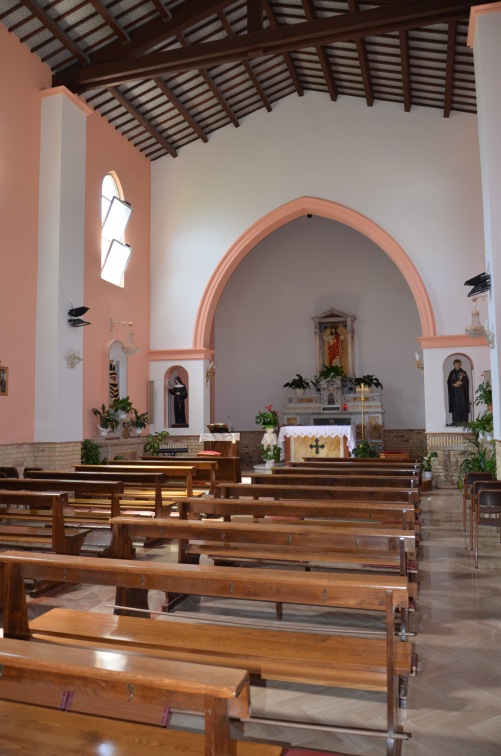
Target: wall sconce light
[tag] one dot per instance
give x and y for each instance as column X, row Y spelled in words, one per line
column 72, row 358
column 210, row 372
column 74, row 317
column 419, row 363
column 475, row 329
column 130, row 348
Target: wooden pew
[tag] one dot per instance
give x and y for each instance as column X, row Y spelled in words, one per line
column 312, row 492
column 355, row 480
column 106, row 493
column 350, row 545
column 33, row 509
column 204, row 470
column 386, row 513
column 131, row 688
column 340, row 661
column 228, row 468
column 152, row 481
column 181, row 474
column 363, row 460
column 312, row 468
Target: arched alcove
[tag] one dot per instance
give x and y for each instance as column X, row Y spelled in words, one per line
column 177, row 404
column 284, row 214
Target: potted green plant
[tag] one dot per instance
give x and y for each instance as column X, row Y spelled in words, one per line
column 268, row 418
column 483, row 394
column 477, row 457
column 90, row 453
column 138, row 421
column 482, row 427
column 364, row 449
column 271, row 453
column 427, row 465
column 330, row 373
column 122, row 407
column 298, row 384
column 153, row 441
column 108, row 421
column 368, row 380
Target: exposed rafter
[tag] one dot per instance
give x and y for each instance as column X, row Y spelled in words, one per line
column 342, row 27
column 165, row 73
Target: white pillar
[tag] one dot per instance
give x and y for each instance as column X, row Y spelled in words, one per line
column 58, row 391
column 484, row 37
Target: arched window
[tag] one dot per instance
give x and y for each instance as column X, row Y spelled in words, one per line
column 115, row 214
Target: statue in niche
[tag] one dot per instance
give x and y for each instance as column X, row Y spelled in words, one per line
column 180, row 394
column 334, row 338
column 113, row 381
column 458, row 386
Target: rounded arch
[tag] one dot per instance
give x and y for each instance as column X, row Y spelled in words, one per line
column 279, row 217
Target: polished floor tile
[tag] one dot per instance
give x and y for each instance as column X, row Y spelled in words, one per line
column 454, row 704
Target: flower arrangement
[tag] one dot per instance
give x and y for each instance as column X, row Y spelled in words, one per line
column 269, row 418
column 272, row 452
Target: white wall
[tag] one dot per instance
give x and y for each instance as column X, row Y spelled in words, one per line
column 417, row 175
column 264, row 331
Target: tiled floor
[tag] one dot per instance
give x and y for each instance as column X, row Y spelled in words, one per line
column 454, row 706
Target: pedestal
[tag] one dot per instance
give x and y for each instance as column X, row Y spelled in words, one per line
column 227, row 444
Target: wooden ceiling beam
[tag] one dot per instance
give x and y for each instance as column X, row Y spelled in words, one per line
column 406, row 70
column 110, row 20
column 401, row 15
column 153, row 33
column 160, row 83
column 325, row 65
column 363, row 60
column 134, row 112
column 449, row 73
column 161, row 9
column 213, row 88
column 247, row 66
column 286, row 56
column 54, row 29
column 254, row 15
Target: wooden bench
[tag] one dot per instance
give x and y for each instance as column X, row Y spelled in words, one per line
column 43, row 522
column 364, row 461
column 312, row 468
column 119, row 686
column 350, row 545
column 177, row 476
column 386, row 513
column 355, row 480
column 205, row 470
column 148, row 483
column 339, row 661
column 314, row 493
column 228, row 468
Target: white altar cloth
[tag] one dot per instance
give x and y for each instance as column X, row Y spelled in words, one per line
column 296, row 431
column 233, row 437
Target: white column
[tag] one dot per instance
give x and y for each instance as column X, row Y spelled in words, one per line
column 485, row 36
column 58, row 392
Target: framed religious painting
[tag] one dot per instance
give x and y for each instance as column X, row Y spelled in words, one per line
column 334, row 339
column 4, row 380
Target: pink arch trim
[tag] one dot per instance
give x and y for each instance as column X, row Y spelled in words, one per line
column 279, row 217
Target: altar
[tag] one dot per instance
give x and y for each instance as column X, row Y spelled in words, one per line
column 298, row 441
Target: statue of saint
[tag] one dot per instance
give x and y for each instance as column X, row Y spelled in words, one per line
column 458, row 386
column 180, row 394
column 334, row 339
